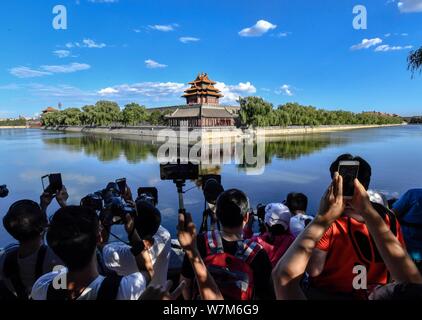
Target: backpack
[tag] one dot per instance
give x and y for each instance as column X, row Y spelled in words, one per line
column 232, row 273
column 108, row 290
column 12, row 273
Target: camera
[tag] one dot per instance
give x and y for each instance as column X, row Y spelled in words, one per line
column 93, row 201
column 149, row 195
column 109, row 203
column 4, row 192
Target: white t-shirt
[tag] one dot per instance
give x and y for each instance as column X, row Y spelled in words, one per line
column 27, row 267
column 131, row 287
column 297, row 223
column 118, row 257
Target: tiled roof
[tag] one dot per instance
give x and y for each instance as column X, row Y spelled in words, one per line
column 185, row 113
column 201, row 111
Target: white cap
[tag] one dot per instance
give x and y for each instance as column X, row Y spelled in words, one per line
column 377, row 197
column 277, row 213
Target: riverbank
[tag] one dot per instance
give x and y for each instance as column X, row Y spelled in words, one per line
column 14, row 127
column 152, row 132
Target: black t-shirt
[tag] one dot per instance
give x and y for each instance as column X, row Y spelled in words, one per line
column 261, row 267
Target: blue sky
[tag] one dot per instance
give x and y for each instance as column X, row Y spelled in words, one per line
column 147, row 50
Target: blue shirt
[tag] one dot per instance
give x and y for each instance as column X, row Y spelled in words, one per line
column 409, row 209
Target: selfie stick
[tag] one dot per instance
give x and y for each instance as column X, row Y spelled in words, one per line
column 180, row 184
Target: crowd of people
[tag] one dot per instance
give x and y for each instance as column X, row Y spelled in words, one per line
column 364, row 248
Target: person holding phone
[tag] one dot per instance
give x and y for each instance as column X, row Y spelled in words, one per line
column 22, row 264
column 53, row 188
column 118, row 257
column 347, row 242
column 290, row 270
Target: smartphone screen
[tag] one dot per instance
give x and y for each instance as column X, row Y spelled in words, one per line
column 45, row 182
column 349, row 171
column 121, row 183
column 56, row 183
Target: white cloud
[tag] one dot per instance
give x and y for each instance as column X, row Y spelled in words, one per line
column 12, row 86
column 146, row 89
column 86, row 43
column 286, row 90
column 163, row 28
column 137, row 30
column 67, row 68
column 257, row 30
column 89, row 43
column 387, row 47
column 26, row 72
column 46, row 70
column 62, row 53
column 233, row 92
column 108, row 91
column 366, row 44
column 151, row 64
column 61, row 91
column 188, row 39
column 408, row 6
column 283, row 34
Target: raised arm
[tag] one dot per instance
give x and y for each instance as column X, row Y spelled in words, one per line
column 290, row 269
column 395, row 257
column 208, row 289
column 141, row 254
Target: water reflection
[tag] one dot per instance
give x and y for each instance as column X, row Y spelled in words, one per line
column 134, row 151
column 106, row 148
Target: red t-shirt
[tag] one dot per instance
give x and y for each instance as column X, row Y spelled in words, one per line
column 276, row 249
column 348, row 243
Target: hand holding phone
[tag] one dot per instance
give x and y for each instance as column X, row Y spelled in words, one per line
column 122, row 184
column 52, row 183
column 349, row 171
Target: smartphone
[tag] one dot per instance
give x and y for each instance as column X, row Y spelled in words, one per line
column 179, row 171
column 52, row 183
column 121, row 183
column 349, row 170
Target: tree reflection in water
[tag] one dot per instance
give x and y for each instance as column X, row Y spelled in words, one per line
column 107, row 148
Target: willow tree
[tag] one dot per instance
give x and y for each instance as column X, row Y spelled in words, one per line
column 415, row 61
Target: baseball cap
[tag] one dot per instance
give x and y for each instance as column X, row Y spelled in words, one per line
column 277, row 213
column 377, row 197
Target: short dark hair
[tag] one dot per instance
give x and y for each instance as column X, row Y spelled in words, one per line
column 212, row 189
column 72, row 235
column 232, row 206
column 147, row 221
column 365, row 171
column 25, row 220
column 297, row 201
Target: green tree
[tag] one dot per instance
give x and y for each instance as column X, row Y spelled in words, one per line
column 415, row 61
column 88, row 115
column 254, row 111
column 134, row 114
column 70, row 117
column 106, row 112
column 155, row 117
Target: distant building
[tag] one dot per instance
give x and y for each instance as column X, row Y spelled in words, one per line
column 202, row 108
column 49, row 110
